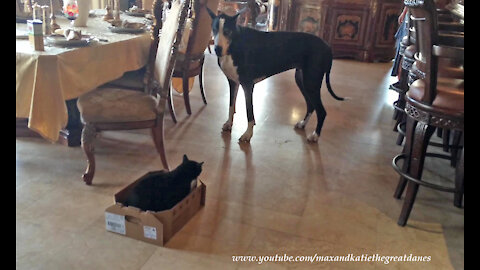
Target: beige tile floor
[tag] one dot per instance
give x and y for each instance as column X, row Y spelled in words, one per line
column 278, row 195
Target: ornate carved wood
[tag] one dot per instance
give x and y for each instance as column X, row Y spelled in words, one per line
column 362, row 29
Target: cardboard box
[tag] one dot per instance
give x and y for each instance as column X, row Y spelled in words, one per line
column 149, row 226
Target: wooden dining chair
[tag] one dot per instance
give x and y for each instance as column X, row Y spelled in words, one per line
column 123, row 109
column 190, row 63
column 141, row 79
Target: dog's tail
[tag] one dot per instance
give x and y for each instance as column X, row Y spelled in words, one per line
column 327, row 79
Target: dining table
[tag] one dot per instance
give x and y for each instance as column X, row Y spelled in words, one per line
column 48, row 82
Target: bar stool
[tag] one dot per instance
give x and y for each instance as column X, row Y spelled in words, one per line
column 431, row 102
column 446, row 27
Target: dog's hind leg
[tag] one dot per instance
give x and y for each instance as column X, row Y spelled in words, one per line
column 248, row 90
column 299, row 80
column 231, row 110
column 312, row 84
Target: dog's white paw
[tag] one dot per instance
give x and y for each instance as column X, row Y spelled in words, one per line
column 227, row 126
column 246, row 136
column 300, row 125
column 312, row 138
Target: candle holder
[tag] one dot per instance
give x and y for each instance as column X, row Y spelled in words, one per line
column 116, row 14
column 53, row 19
column 109, row 15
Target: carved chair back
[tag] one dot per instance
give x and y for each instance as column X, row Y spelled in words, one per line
column 158, row 8
column 201, row 26
column 424, row 18
column 431, row 48
column 168, row 43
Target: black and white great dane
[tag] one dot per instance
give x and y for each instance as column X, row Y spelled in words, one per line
column 247, row 56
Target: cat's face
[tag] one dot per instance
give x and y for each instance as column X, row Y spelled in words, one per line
column 192, row 167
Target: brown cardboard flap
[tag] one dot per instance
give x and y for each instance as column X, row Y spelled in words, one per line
column 175, row 218
column 140, row 225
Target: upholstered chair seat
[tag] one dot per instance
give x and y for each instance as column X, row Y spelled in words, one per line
column 110, row 105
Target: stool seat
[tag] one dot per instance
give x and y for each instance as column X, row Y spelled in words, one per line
column 449, row 98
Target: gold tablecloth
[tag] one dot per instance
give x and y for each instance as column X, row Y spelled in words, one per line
column 46, row 79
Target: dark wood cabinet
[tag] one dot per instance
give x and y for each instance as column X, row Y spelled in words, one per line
column 360, row 29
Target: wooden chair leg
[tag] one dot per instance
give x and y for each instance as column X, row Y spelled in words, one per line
column 170, row 105
column 456, row 140
column 423, row 132
column 400, row 136
column 186, row 94
column 439, row 132
column 158, row 134
column 446, row 139
column 407, row 149
column 459, row 181
column 158, row 139
column 88, row 135
column 395, row 117
column 200, row 79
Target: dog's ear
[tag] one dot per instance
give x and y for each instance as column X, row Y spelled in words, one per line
column 235, row 17
column 211, row 13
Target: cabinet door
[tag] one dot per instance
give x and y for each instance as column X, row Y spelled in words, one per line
column 348, row 26
column 387, row 25
column 309, row 20
column 307, row 16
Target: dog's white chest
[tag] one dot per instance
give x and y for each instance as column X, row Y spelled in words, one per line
column 230, row 70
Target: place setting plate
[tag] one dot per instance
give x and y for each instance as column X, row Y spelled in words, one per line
column 63, row 42
column 135, row 13
column 126, row 30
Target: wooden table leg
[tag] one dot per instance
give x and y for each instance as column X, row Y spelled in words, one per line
column 71, row 134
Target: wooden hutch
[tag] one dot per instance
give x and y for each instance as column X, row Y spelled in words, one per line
column 359, row 29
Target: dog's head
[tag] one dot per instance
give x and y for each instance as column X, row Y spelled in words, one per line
column 224, row 27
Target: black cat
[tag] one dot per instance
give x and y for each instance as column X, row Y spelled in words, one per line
column 164, row 190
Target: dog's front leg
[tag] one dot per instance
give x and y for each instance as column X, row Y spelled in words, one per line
column 231, row 110
column 248, row 90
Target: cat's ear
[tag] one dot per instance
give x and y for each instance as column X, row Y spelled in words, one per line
column 185, row 158
column 201, row 163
